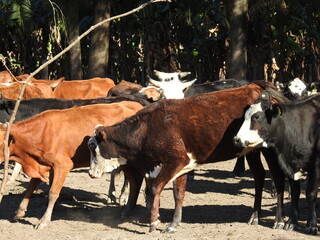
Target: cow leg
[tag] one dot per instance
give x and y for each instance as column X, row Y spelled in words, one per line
column 135, row 181
column 15, row 172
column 59, row 177
column 311, row 195
column 278, row 178
column 179, row 189
column 294, row 212
column 239, row 167
column 112, row 188
column 123, row 199
column 257, row 169
column 21, row 212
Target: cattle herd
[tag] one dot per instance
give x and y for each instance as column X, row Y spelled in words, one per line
column 159, row 134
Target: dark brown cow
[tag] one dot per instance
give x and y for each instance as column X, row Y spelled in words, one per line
column 124, row 88
column 36, row 90
column 167, row 139
column 52, row 143
column 83, row 89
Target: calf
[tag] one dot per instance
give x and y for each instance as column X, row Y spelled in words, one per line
column 169, row 138
column 292, row 130
column 52, row 143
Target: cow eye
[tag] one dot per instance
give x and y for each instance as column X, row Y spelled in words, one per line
column 91, row 146
column 256, row 116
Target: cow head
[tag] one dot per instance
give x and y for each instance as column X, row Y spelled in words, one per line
column 103, row 157
column 297, row 88
column 254, row 132
column 171, row 83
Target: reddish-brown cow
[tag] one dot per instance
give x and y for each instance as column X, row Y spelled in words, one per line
column 83, row 89
column 36, row 90
column 5, row 77
column 167, row 139
column 52, row 143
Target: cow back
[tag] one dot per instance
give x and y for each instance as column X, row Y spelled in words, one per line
column 12, row 91
column 83, row 89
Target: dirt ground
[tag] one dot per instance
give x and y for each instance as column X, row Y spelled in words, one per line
column 217, row 206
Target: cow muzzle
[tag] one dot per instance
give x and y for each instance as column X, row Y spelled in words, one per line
column 238, row 143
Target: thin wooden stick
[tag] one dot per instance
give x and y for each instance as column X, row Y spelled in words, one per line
column 23, row 86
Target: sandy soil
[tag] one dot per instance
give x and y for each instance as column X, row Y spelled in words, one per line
column 217, row 206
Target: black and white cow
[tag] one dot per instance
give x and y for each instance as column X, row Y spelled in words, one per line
column 292, row 130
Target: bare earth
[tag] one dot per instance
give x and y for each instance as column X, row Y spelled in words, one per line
column 217, row 206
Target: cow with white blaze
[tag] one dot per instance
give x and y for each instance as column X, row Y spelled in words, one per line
column 171, row 83
column 292, row 130
column 169, row 138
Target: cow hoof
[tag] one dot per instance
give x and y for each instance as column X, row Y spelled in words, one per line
column 312, row 230
column 253, row 221
column 169, row 230
column 123, row 200
column 278, row 225
column 153, row 226
column 111, row 199
column 19, row 215
column 289, row 226
column 41, row 225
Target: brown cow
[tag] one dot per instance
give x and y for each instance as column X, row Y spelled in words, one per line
column 168, row 138
column 52, row 143
column 37, row 90
column 5, row 77
column 52, row 83
column 83, row 89
column 123, row 88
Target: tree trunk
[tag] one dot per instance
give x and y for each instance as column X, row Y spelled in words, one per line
column 100, row 40
column 73, row 33
column 237, row 59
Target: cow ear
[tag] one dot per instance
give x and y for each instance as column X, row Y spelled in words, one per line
column 100, row 133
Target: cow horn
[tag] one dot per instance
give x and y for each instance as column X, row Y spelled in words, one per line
column 156, row 73
column 184, row 74
column 188, row 84
column 154, row 82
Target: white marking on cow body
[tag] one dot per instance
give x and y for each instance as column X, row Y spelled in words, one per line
column 296, row 86
column 191, row 166
column 298, row 175
column 246, row 134
column 155, row 172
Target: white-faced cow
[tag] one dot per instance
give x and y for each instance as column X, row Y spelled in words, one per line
column 292, row 130
column 171, row 83
column 169, row 138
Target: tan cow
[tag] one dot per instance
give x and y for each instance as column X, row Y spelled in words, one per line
column 52, row 143
column 36, row 90
column 83, row 89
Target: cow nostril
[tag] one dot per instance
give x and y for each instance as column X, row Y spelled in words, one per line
column 236, row 141
column 246, row 143
column 91, row 146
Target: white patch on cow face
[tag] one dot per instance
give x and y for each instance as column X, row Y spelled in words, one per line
column 296, row 86
column 250, row 137
column 191, row 166
column 155, row 172
column 99, row 164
